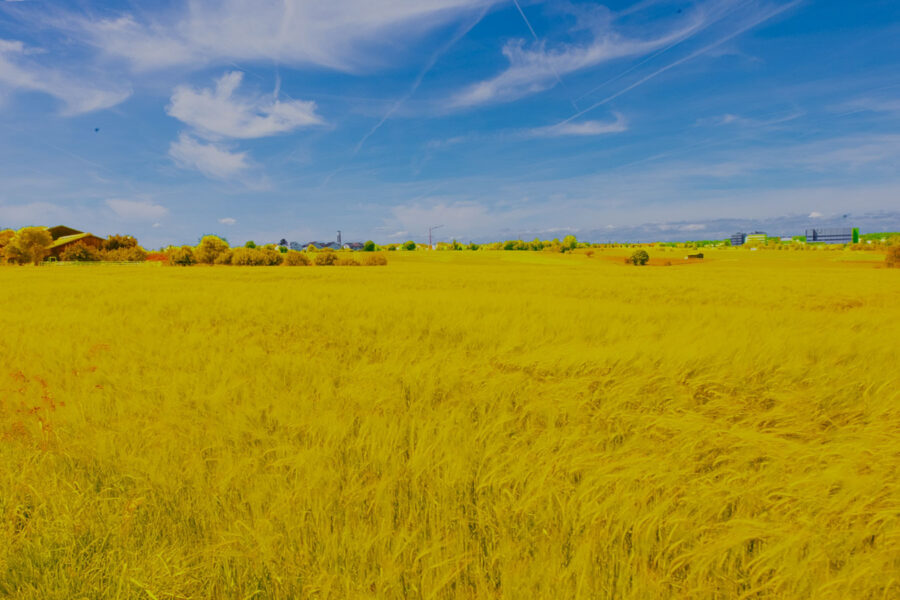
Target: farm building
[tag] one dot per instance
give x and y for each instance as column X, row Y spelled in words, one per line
column 61, row 231
column 834, row 235
column 63, row 242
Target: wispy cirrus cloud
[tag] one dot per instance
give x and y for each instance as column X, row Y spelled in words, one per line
column 20, row 72
column 221, row 112
column 339, row 34
column 584, row 128
column 137, row 210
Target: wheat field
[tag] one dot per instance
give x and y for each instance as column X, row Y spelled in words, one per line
column 454, row 425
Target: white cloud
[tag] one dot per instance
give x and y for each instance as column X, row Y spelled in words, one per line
column 815, row 215
column 20, row 72
column 34, row 213
column 227, row 221
column 585, row 128
column 210, row 159
column 219, row 112
column 338, row 34
column 137, row 210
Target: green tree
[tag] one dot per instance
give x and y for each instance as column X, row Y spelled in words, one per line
column 250, row 244
column 209, row 249
column 369, row 246
column 410, row 245
column 639, row 258
column 570, row 242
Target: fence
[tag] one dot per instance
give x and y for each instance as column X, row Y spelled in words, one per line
column 89, row 263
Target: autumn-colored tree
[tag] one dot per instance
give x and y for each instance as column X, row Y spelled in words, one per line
column 6, row 237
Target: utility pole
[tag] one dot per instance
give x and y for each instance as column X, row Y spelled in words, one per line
column 430, row 229
column 339, row 239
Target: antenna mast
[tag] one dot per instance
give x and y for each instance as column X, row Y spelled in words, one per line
column 430, row 229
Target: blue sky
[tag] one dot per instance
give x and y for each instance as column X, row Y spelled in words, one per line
column 292, row 119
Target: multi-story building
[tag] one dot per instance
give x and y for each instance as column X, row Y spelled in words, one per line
column 833, row 235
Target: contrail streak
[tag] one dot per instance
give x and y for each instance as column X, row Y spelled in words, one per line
column 538, row 40
column 418, row 81
column 683, row 60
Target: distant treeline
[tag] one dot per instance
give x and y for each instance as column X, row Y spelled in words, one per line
column 214, row 250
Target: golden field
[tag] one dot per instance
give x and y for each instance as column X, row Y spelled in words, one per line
column 454, row 425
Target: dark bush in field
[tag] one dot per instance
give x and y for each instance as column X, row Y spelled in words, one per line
column 639, row 258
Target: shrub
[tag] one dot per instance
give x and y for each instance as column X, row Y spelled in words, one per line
column 125, row 254
column 79, row 252
column 224, row 258
column 269, row 257
column 243, row 256
column 892, row 260
column 295, row 259
column 410, row 245
column 158, row 257
column 183, row 256
column 326, row 258
column 369, row 246
column 209, row 249
column 639, row 258
column 589, row 253
column 375, row 260
column 346, row 261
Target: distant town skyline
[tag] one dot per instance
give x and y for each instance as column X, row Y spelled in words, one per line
column 637, row 121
